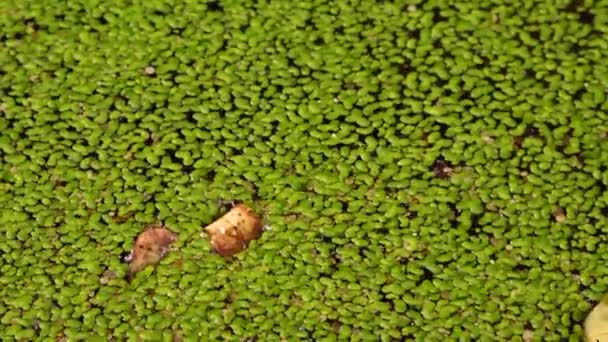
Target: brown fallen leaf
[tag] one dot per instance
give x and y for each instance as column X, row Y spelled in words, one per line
column 150, row 247
column 232, row 232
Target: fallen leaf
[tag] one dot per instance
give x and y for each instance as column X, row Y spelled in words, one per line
column 596, row 323
column 150, row 247
column 232, row 232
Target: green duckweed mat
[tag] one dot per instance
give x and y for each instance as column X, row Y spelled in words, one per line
column 429, row 170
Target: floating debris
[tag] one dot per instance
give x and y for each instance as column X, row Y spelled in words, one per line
column 150, row 247
column 150, row 70
column 232, row 232
column 559, row 215
column 596, row 323
column 107, row 276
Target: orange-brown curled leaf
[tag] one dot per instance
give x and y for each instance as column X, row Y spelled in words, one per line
column 230, row 233
column 150, row 247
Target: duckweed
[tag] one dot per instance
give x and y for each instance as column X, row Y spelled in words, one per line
column 430, row 170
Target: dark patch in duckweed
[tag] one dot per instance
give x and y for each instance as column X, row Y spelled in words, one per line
column 578, row 94
column 604, row 211
column 535, row 34
column 411, row 214
column 427, row 275
column 437, row 17
column 190, row 117
column 187, row 169
column 531, row 131
column 474, row 228
column 414, row 34
column 573, row 6
column 586, row 17
column 442, row 169
column 32, row 23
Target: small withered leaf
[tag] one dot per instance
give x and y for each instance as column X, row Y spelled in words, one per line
column 232, row 232
column 150, row 247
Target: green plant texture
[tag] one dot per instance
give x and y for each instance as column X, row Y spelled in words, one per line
column 429, row 170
